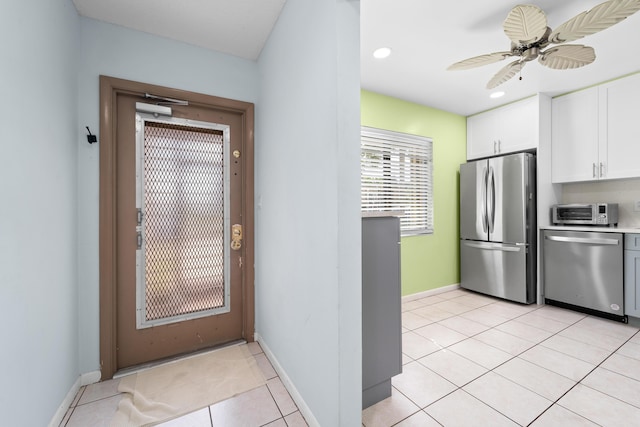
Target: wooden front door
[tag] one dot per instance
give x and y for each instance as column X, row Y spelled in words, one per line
column 180, row 191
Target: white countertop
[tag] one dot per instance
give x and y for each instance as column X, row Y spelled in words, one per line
column 592, row 228
column 378, row 214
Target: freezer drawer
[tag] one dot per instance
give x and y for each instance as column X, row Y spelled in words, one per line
column 497, row 269
column 584, row 270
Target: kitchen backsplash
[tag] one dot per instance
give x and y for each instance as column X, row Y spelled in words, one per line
column 624, row 192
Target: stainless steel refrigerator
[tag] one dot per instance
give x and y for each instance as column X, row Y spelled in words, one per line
column 498, row 227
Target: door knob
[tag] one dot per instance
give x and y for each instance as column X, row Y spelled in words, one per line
column 236, row 236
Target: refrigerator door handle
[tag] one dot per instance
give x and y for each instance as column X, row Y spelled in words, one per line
column 493, row 246
column 483, row 206
column 491, row 214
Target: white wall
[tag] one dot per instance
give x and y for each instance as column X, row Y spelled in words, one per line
column 625, row 192
column 308, row 256
column 119, row 52
column 39, row 138
column 308, row 249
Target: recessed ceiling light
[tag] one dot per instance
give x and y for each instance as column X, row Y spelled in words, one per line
column 496, row 94
column 382, row 52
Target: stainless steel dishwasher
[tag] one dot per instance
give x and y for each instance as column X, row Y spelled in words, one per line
column 583, row 270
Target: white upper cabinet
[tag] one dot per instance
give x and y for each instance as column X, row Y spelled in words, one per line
column 574, row 137
column 507, row 129
column 622, row 127
column 595, row 134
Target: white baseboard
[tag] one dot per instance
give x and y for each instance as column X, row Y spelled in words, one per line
column 66, row 403
column 430, row 292
column 90, row 378
column 84, row 379
column 295, row 395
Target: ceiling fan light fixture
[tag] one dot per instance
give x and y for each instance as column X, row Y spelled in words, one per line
column 526, row 27
column 497, row 94
column 382, row 52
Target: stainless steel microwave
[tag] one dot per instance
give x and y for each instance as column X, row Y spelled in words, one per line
column 585, row 214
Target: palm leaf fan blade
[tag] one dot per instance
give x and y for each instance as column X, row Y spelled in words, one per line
column 594, row 20
column 478, row 61
column 567, row 57
column 505, row 74
column 525, row 24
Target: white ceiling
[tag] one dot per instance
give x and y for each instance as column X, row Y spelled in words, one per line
column 426, row 37
column 236, row 27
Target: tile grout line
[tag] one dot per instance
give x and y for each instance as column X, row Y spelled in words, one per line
column 580, row 382
column 276, row 402
column 460, row 387
column 420, row 409
column 74, row 404
column 518, row 318
column 411, row 415
column 556, row 402
column 596, row 366
column 510, row 359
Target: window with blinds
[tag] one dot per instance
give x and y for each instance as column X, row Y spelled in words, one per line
column 396, row 176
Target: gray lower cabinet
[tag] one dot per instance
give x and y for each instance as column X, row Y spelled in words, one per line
column 632, row 275
column 381, row 307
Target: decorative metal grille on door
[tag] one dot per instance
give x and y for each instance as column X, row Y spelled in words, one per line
column 182, row 222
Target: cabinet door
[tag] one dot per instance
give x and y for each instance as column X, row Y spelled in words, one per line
column 574, row 137
column 381, row 307
column 481, row 135
column 507, row 129
column 632, row 275
column 622, row 140
column 519, row 126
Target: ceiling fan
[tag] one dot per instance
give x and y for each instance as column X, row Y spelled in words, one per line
column 531, row 38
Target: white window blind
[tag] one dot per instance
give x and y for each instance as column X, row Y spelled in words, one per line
column 396, row 176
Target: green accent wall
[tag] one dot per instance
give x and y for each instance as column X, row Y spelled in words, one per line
column 433, row 260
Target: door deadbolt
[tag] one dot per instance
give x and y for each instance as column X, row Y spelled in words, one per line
column 236, row 236
column 236, row 153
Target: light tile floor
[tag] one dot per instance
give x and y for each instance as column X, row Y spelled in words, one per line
column 473, row 360
column 468, row 360
column 269, row 405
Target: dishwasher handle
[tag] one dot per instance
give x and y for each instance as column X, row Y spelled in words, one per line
column 584, row 241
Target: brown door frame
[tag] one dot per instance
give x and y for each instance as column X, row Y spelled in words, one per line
column 110, row 87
